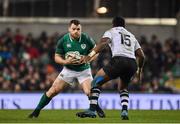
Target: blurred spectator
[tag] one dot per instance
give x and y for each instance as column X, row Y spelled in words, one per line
column 134, row 86
column 157, row 88
column 27, row 64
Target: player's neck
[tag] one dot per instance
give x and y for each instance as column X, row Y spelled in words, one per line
column 74, row 39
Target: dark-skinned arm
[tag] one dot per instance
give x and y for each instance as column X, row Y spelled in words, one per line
column 140, row 60
column 100, row 46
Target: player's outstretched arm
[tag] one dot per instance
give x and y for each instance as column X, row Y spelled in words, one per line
column 141, row 60
column 100, row 46
column 94, row 57
column 59, row 59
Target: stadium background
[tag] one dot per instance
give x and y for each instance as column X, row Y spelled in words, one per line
column 28, row 33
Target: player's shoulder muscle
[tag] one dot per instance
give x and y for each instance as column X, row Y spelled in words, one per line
column 62, row 38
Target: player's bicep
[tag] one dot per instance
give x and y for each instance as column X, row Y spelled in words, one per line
column 139, row 52
column 58, row 56
column 102, row 44
column 59, row 51
column 59, row 47
column 137, row 45
column 107, row 34
column 105, row 40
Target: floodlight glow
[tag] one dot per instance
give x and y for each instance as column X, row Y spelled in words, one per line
column 102, row 10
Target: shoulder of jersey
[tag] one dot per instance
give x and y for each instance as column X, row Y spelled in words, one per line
column 62, row 36
column 84, row 35
column 66, row 35
column 129, row 32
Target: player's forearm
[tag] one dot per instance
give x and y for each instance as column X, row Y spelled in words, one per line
column 141, row 62
column 100, row 46
column 59, row 59
column 141, row 58
column 94, row 57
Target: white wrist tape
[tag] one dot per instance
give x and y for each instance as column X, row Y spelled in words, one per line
column 92, row 53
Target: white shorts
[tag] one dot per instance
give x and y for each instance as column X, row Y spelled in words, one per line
column 71, row 76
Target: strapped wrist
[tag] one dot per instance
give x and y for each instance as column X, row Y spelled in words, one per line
column 92, row 53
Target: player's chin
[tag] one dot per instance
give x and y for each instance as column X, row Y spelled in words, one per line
column 76, row 36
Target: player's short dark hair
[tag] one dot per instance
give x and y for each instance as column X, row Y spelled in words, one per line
column 75, row 22
column 118, row 21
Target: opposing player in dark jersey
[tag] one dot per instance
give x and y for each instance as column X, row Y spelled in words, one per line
column 124, row 48
column 69, row 50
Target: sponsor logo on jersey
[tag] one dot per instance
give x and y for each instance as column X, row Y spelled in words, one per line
column 83, row 46
column 68, row 45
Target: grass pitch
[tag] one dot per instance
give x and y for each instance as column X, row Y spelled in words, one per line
column 69, row 116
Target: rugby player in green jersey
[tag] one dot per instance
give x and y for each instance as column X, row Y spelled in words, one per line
column 69, row 50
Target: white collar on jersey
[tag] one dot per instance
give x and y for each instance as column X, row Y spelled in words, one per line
column 72, row 40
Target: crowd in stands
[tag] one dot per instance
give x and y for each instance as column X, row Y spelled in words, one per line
column 27, row 64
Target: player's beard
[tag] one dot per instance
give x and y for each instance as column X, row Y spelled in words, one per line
column 75, row 36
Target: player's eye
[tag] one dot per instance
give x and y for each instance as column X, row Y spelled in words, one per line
column 78, row 29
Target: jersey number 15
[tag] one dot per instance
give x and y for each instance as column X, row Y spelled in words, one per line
column 125, row 39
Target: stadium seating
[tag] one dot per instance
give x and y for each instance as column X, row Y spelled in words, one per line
column 27, row 64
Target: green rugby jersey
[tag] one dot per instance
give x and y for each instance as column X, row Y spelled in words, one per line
column 82, row 46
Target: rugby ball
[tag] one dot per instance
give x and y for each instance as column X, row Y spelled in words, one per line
column 73, row 55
